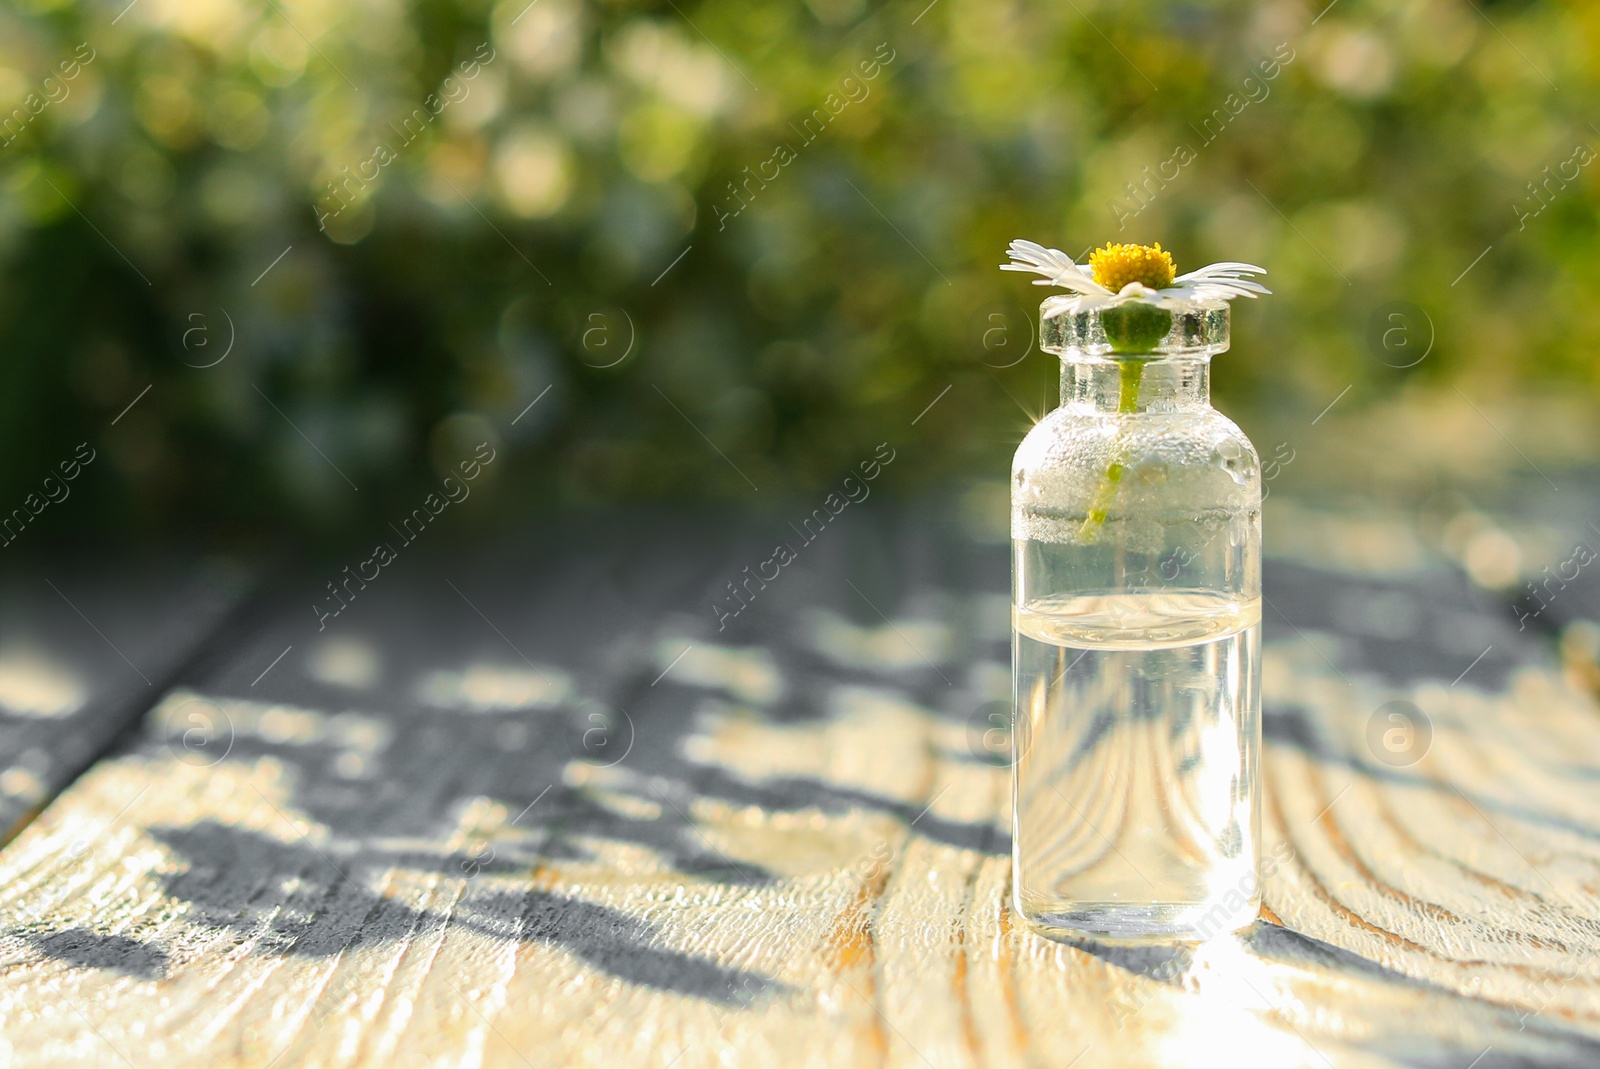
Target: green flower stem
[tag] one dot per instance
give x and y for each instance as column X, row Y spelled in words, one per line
column 1133, row 330
column 1130, row 372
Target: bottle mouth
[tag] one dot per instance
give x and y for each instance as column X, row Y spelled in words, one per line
column 1199, row 329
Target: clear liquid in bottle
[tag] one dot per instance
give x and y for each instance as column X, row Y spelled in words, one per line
column 1135, row 744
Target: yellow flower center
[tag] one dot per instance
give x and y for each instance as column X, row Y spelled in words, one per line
column 1114, row 266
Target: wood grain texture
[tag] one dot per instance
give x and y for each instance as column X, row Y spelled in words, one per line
column 539, row 810
column 84, row 651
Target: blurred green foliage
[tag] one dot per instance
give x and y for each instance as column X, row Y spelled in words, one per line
column 479, row 202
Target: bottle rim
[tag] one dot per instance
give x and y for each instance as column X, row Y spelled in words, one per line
column 1199, row 329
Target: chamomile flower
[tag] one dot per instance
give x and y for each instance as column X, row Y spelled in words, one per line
column 1123, row 274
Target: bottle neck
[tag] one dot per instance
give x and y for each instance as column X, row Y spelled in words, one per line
column 1126, row 387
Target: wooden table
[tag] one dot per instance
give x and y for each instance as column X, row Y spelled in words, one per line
column 532, row 807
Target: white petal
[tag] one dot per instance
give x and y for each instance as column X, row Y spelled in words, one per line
column 1078, row 280
column 1224, row 289
column 1226, row 269
column 1059, row 305
column 1230, row 267
column 1242, row 288
column 1031, row 256
column 1056, row 266
column 1090, row 301
column 1240, row 285
column 1036, row 250
column 1215, row 291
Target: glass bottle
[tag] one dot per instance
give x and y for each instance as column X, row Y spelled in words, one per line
column 1136, row 574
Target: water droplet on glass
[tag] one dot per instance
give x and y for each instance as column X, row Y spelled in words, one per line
column 1230, row 456
column 1153, row 472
